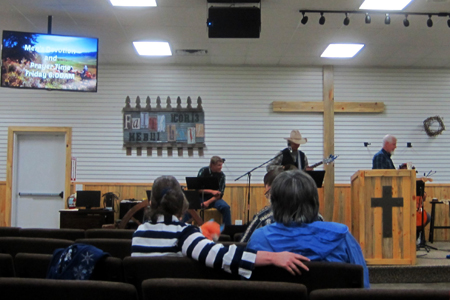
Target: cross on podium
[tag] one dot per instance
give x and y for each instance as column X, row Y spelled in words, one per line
column 387, row 203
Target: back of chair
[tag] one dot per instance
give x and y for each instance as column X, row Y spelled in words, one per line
column 138, row 269
column 51, row 233
column 205, row 289
column 32, row 265
column 379, row 294
column 7, row 265
column 14, row 245
column 52, row 289
column 321, row 275
column 120, row 248
column 9, row 231
column 98, row 233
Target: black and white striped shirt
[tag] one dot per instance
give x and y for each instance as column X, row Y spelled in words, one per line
column 170, row 237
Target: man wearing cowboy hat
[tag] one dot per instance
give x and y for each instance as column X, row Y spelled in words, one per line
column 291, row 157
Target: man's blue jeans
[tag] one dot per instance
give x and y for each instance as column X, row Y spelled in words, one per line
column 221, row 206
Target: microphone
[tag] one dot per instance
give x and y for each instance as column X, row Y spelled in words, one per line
column 290, row 148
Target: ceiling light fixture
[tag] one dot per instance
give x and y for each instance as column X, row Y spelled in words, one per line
column 385, row 4
column 148, row 3
column 322, row 19
column 304, row 19
column 429, row 21
column 368, row 14
column 342, row 50
column 346, row 20
column 406, row 21
column 153, row 48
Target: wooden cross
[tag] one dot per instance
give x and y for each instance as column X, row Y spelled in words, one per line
column 328, row 107
column 387, row 203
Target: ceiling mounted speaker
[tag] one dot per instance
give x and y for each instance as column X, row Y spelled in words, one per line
column 234, row 22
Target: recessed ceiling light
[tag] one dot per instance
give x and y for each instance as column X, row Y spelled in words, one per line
column 153, row 48
column 342, row 50
column 385, row 4
column 133, row 2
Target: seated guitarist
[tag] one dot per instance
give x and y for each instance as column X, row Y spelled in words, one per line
column 291, row 157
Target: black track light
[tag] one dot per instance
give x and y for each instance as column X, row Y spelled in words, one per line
column 429, row 21
column 387, row 20
column 406, row 21
column 322, row 19
column 346, row 20
column 304, row 19
column 368, row 19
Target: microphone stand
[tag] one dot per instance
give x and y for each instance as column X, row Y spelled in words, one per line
column 249, row 173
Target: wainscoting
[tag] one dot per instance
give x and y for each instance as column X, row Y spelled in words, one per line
column 236, row 195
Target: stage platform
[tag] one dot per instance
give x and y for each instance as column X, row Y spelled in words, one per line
column 432, row 270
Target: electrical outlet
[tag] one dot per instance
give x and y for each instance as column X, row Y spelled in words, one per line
column 238, row 222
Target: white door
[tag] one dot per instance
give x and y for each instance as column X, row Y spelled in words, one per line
column 39, row 168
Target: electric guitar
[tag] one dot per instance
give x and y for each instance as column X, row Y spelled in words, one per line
column 326, row 161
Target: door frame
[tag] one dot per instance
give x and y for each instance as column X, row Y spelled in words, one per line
column 13, row 131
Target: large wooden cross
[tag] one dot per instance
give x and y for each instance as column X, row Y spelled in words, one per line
column 328, row 107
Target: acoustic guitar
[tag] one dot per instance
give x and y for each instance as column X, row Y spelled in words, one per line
column 326, row 161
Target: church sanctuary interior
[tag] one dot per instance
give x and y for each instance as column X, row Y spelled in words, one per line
column 90, row 117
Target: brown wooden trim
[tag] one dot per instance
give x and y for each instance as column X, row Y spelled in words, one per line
column 318, row 106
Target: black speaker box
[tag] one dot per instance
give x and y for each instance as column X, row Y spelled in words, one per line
column 234, row 22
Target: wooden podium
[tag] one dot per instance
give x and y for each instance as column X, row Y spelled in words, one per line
column 384, row 215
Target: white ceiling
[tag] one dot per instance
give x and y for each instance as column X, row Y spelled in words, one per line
column 284, row 41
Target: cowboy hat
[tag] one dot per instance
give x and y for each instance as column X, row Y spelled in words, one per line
column 296, row 137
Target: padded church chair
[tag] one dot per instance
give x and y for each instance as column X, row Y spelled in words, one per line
column 9, row 231
column 321, row 275
column 120, row 248
column 379, row 294
column 7, row 266
column 53, row 289
column 32, row 265
column 138, row 269
column 205, row 289
column 51, row 233
column 97, row 233
column 14, row 245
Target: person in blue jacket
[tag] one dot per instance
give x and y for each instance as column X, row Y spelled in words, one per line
column 295, row 205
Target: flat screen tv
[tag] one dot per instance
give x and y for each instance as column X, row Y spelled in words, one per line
column 88, row 199
column 49, row 61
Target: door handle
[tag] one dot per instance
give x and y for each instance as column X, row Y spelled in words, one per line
column 42, row 194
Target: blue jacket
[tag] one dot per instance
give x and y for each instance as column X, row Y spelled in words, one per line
column 319, row 241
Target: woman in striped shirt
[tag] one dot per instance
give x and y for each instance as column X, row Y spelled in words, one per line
column 165, row 235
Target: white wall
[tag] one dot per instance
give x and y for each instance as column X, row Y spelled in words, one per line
column 239, row 122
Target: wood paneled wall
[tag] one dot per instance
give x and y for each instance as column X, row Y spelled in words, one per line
column 236, row 195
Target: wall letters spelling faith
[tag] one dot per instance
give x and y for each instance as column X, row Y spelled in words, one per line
column 163, row 127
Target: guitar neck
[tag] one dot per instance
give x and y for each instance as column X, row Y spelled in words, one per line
column 315, row 165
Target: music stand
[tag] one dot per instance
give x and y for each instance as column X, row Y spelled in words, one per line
column 193, row 199
column 317, row 176
column 202, row 183
column 420, row 192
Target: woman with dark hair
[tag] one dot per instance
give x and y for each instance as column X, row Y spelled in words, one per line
column 295, row 205
column 165, row 235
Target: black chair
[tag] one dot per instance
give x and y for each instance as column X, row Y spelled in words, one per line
column 379, row 294
column 32, row 265
column 98, row 233
column 50, row 233
column 7, row 265
column 9, row 231
column 321, row 275
column 14, row 245
column 52, row 289
column 205, row 289
column 138, row 269
column 120, row 248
